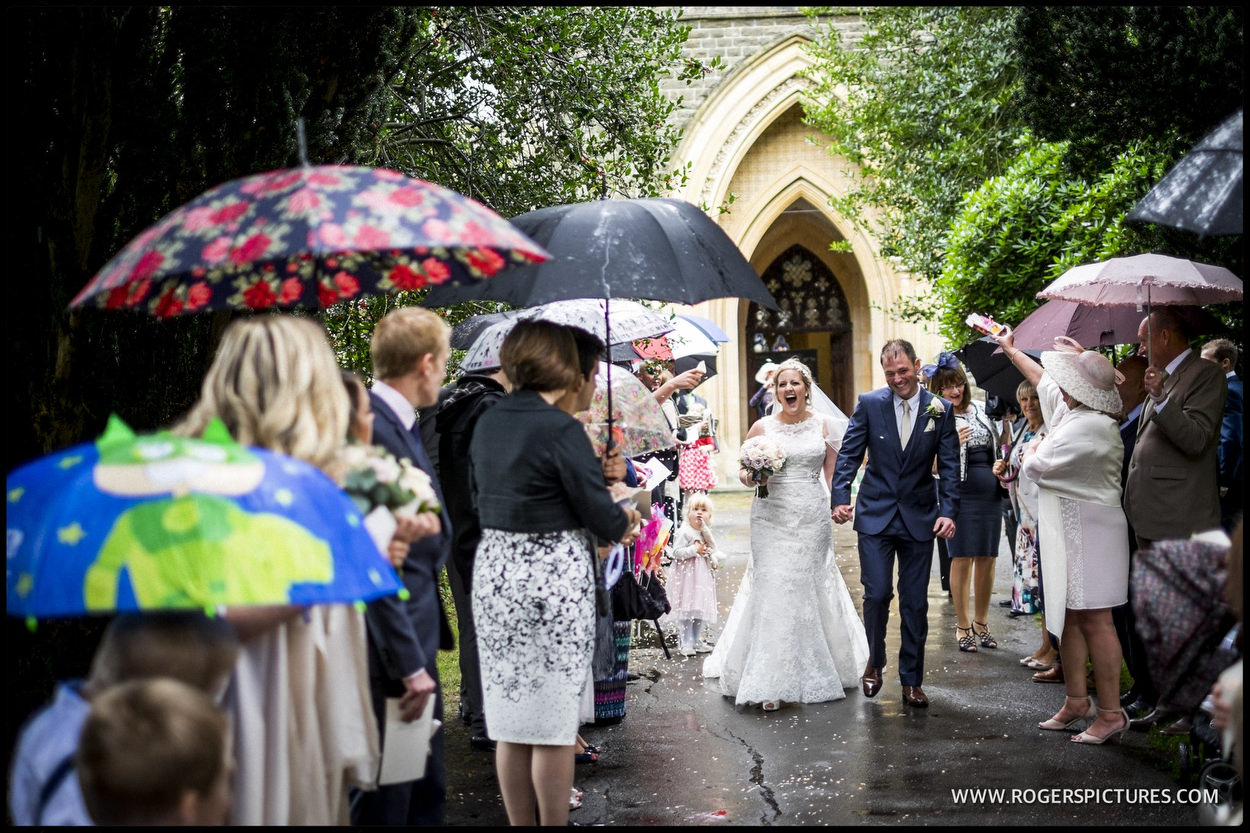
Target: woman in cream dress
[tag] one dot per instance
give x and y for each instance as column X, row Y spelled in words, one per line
column 1083, row 531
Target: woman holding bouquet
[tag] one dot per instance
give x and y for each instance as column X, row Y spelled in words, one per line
column 541, row 498
column 793, row 634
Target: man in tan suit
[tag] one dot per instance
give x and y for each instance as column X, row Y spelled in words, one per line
column 1172, row 489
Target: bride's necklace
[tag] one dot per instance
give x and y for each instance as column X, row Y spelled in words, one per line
column 801, row 416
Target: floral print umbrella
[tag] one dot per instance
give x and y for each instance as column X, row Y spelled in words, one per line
column 308, row 237
column 637, row 424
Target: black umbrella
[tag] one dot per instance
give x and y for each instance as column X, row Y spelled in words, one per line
column 683, row 363
column 1182, row 617
column 464, row 334
column 1202, row 192
column 993, row 372
column 653, row 248
column 657, row 249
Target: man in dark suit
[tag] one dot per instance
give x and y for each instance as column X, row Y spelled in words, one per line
column 903, row 429
column 1171, row 490
column 1224, row 353
column 410, row 348
column 458, row 411
column 1141, row 698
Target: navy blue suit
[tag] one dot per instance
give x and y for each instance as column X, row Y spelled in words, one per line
column 895, row 511
column 404, row 636
column 1229, row 452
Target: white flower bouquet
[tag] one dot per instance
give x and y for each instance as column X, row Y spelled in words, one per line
column 383, row 487
column 763, row 457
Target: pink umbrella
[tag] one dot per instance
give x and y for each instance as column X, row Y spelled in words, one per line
column 1144, row 280
column 1093, row 326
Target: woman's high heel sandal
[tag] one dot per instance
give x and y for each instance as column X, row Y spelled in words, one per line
column 987, row 641
column 1088, row 737
column 1056, row 725
column 966, row 643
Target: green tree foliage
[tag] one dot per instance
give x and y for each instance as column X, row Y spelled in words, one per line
column 126, row 113
column 1102, row 77
column 1021, row 230
column 522, row 107
column 120, row 114
column 920, row 104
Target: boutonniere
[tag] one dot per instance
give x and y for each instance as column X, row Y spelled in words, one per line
column 935, row 408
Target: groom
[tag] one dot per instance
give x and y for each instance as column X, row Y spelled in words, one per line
column 903, row 428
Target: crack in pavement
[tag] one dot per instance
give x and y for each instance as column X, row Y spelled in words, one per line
column 757, row 778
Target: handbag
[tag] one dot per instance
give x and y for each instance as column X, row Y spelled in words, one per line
column 632, row 600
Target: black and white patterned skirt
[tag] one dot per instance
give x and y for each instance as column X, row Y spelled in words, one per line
column 534, row 606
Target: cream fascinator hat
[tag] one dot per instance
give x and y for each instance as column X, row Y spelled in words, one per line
column 761, row 375
column 1085, row 375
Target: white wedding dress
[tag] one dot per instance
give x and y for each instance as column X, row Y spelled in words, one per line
column 793, row 634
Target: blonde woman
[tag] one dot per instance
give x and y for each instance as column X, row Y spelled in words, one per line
column 793, row 634
column 299, row 695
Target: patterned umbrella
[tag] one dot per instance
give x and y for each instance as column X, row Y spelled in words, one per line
column 307, row 237
column 158, row 522
column 630, row 320
column 638, row 425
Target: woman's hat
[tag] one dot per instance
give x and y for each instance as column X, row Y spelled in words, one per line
column 761, row 375
column 1085, row 375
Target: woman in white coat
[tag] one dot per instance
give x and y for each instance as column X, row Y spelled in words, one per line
column 1082, row 527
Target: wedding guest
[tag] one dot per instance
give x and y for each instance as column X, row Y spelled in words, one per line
column 455, row 419
column 1224, row 354
column 540, row 496
column 1084, row 535
column 408, row 527
column 974, row 546
column 762, row 399
column 303, row 727
column 692, row 586
column 1142, row 696
column 190, row 647
column 1177, row 443
column 410, row 347
column 155, row 752
column 1026, row 570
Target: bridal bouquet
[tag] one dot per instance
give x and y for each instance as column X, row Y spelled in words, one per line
column 382, row 487
column 763, row 457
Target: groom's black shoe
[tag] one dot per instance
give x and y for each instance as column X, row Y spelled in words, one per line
column 871, row 681
column 913, row 695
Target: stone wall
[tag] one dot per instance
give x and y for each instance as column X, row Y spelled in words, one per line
column 736, row 34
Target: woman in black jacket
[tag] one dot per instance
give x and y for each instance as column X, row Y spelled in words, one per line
column 541, row 500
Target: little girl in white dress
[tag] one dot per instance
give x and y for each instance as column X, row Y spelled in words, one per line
column 692, row 583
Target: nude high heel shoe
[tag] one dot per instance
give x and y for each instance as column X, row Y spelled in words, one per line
column 1054, row 725
column 1087, row 737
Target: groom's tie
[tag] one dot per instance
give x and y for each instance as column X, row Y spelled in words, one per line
column 904, row 433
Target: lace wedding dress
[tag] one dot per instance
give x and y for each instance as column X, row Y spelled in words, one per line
column 793, row 634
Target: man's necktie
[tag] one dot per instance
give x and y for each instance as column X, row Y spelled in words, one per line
column 904, row 433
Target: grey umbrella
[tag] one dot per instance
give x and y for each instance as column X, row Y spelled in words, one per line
column 1202, row 192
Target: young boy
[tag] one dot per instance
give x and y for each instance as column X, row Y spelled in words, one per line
column 190, row 647
column 155, row 752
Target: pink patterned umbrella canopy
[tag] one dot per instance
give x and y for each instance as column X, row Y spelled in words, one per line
column 308, row 237
column 1145, row 280
column 638, row 424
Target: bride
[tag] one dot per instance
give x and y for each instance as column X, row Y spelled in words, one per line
column 793, row 633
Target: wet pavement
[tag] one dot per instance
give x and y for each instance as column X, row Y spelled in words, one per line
column 685, row 755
